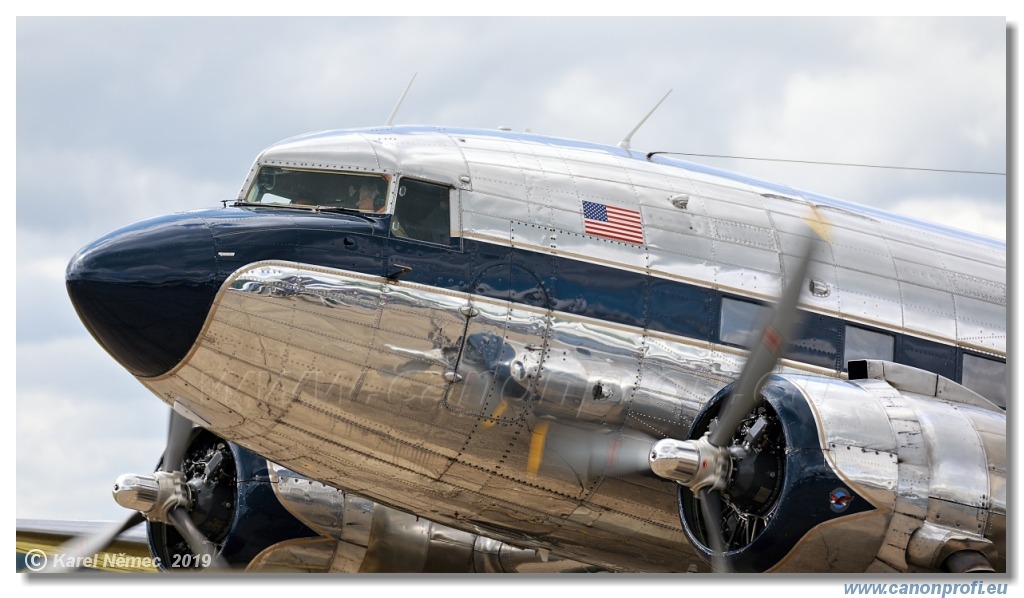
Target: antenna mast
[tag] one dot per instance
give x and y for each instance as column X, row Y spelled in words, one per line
column 624, row 144
column 391, row 119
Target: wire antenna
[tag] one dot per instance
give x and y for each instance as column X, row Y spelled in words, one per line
column 987, row 172
column 624, row 144
column 391, row 119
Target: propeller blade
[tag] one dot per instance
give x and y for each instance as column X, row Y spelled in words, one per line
column 86, row 546
column 711, row 511
column 178, row 431
column 764, row 354
column 195, row 538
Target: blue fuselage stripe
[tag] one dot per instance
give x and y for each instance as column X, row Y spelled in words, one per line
column 542, row 280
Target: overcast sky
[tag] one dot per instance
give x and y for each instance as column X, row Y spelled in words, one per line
column 122, row 119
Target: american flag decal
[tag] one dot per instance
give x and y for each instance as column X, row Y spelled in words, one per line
column 610, row 222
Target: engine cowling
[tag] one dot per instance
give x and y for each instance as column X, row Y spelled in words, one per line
column 899, row 470
column 233, row 505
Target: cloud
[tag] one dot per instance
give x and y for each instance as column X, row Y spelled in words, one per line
column 122, row 119
column 81, row 422
column 957, row 212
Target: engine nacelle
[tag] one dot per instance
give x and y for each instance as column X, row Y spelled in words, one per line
column 895, row 470
column 265, row 517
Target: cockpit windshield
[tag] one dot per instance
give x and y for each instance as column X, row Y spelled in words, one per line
column 287, row 186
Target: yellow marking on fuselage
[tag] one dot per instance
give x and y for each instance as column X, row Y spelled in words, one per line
column 537, row 441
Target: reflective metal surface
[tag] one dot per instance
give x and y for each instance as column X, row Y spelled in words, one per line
column 361, row 536
column 348, row 369
column 939, row 467
column 508, row 385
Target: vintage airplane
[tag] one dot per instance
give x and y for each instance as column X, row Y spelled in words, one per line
column 426, row 349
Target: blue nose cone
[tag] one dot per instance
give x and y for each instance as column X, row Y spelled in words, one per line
column 144, row 291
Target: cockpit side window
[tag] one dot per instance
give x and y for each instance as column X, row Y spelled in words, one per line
column 422, row 212
column 287, row 186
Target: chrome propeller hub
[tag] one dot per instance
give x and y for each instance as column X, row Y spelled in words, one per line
column 696, row 464
column 154, row 495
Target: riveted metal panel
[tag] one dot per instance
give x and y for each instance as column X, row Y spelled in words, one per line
column 747, row 268
column 581, row 249
column 686, row 310
column 875, row 473
column 590, row 373
column 565, row 218
column 351, row 150
column 793, row 224
column 928, row 310
column 957, row 516
column 498, row 181
column 432, row 157
column 691, row 258
column 543, row 186
column 596, row 166
column 613, row 191
column 794, row 245
column 666, row 403
column 871, row 298
column 959, row 465
column 912, row 492
column 995, row 449
column 501, row 153
column 741, row 233
column 914, row 251
column 486, row 227
column 983, row 253
column 981, row 323
column 476, row 204
column 861, row 251
column 982, row 283
column 897, row 536
column 550, row 158
column 653, row 501
column 688, row 221
column 925, row 275
column 734, row 205
column 991, row 427
column 535, row 236
column 865, row 428
column 654, row 182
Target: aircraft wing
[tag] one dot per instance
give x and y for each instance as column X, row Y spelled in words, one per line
column 129, row 553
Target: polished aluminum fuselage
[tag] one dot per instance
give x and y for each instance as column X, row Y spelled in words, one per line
column 368, row 384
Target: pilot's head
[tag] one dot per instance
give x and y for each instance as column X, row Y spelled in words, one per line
column 371, row 197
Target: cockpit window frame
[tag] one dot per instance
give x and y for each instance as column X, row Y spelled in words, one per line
column 450, row 236
column 348, row 200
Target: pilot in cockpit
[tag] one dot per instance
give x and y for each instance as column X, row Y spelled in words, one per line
column 371, row 197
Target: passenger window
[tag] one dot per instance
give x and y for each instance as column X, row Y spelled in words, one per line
column 986, row 377
column 739, row 320
column 422, row 212
column 866, row 344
